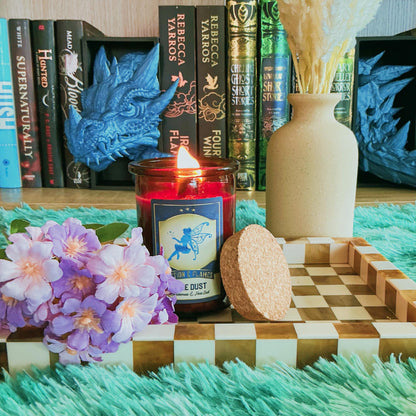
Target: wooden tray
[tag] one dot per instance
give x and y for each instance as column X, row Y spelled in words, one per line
column 347, row 299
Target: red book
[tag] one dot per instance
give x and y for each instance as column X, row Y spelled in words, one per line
column 50, row 128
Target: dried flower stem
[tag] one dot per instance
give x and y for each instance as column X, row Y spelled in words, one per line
column 320, row 32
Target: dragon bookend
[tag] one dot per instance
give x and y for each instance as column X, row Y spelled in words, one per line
column 121, row 109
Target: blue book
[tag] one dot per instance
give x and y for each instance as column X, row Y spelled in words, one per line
column 9, row 152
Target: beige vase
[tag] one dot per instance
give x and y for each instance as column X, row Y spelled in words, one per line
column 311, row 172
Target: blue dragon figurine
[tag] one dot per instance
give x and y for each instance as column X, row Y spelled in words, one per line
column 121, row 109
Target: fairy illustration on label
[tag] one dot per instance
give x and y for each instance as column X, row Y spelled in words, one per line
column 190, row 240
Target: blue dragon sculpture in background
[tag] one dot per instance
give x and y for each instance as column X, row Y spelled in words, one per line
column 121, row 109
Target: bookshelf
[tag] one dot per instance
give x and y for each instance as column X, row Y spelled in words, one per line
column 139, row 18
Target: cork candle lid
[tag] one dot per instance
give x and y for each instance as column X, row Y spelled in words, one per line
column 255, row 274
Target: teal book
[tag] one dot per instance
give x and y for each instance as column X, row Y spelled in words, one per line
column 342, row 84
column 274, row 82
column 242, row 87
column 9, row 152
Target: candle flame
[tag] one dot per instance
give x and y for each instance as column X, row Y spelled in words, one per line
column 185, row 160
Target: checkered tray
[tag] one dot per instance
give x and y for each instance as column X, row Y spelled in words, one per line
column 346, row 299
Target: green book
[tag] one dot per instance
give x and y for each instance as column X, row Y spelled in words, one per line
column 343, row 84
column 274, row 82
column 242, row 80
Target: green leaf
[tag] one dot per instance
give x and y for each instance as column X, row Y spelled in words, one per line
column 93, row 226
column 3, row 253
column 18, row 226
column 111, row 231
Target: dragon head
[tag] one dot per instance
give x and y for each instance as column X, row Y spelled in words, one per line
column 120, row 115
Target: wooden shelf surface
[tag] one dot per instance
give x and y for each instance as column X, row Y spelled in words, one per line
column 74, row 198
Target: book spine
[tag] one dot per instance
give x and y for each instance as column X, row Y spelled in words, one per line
column 25, row 102
column 274, row 82
column 72, row 80
column 212, row 80
column 9, row 153
column 342, row 83
column 242, row 80
column 46, row 81
column 177, row 62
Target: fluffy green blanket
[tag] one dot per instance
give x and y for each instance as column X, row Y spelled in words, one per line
column 389, row 228
column 326, row 388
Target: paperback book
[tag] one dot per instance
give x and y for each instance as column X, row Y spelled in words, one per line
column 212, row 80
column 9, row 153
column 177, row 62
column 72, row 81
column 25, row 102
column 50, row 129
column 242, row 81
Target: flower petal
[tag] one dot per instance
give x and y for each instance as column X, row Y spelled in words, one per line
column 78, row 340
column 16, row 288
column 52, row 270
column 8, row 270
column 62, row 324
column 125, row 332
column 41, row 250
column 107, row 292
column 18, row 250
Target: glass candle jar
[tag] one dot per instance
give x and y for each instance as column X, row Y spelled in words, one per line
column 186, row 215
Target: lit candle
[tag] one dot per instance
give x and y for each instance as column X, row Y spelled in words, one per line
column 187, row 210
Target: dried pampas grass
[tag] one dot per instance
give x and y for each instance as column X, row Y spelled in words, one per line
column 319, row 33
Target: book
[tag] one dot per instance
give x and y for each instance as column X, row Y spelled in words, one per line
column 242, row 81
column 177, row 62
column 25, row 102
column 343, row 84
column 9, row 153
column 46, row 82
column 211, row 61
column 274, row 81
column 72, row 78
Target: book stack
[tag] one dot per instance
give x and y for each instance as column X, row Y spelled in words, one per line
column 235, row 72
column 43, row 74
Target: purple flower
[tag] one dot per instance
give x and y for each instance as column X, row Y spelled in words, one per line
column 30, row 271
column 72, row 241
column 68, row 355
column 165, row 311
column 75, row 282
column 131, row 316
column 12, row 313
column 124, row 269
column 82, row 321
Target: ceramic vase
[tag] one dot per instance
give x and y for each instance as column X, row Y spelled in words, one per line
column 311, row 172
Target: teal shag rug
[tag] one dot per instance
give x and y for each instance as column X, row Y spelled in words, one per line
column 389, row 228
column 326, row 388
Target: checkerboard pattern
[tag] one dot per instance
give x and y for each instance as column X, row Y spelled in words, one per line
column 346, row 299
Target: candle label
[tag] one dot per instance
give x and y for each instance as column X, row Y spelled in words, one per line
column 190, row 232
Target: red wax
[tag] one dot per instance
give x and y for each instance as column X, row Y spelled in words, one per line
column 159, row 179
column 170, row 192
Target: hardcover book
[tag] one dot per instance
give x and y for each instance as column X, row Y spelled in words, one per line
column 274, row 82
column 177, row 62
column 46, row 80
column 9, row 153
column 212, row 80
column 242, row 80
column 343, row 84
column 25, row 102
column 72, row 81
